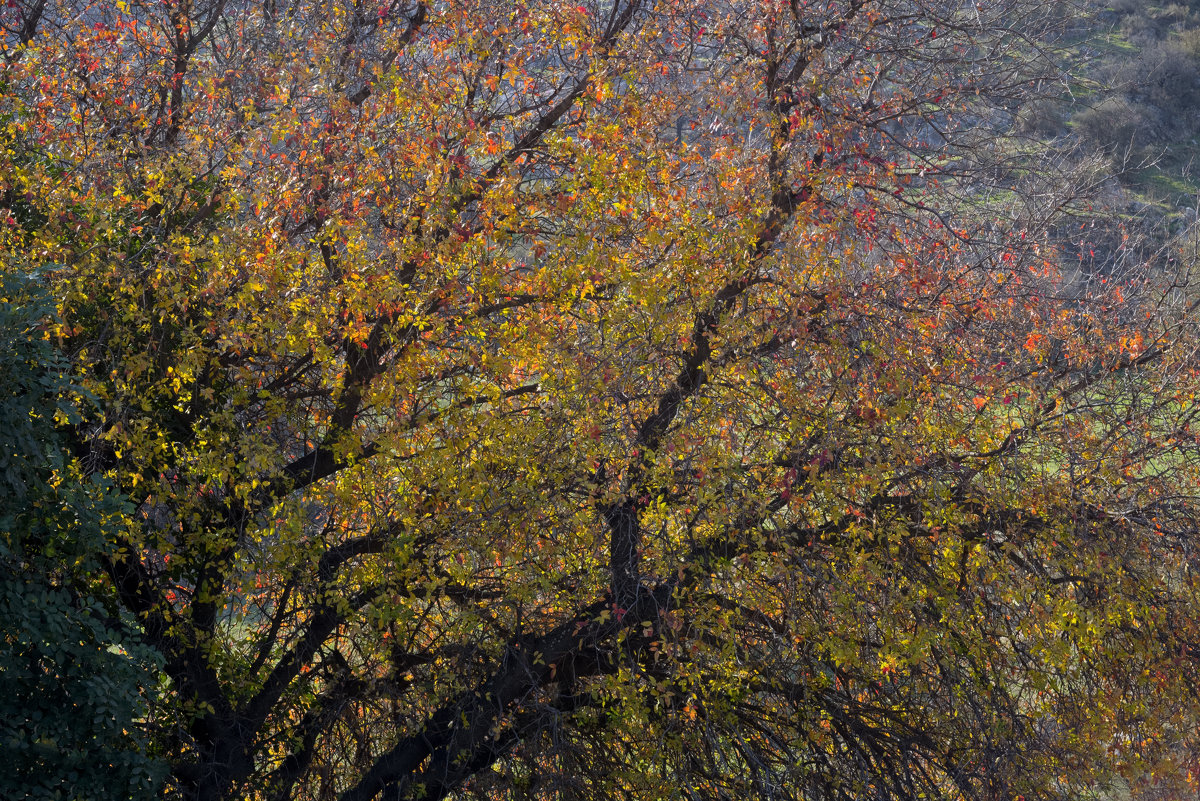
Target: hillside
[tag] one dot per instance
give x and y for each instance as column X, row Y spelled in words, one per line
column 1130, row 104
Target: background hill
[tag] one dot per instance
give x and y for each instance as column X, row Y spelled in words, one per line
column 1129, row 106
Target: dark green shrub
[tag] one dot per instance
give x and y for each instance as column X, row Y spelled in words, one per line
column 72, row 672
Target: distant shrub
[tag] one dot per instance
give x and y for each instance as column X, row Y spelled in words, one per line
column 1177, row 16
column 1188, row 41
column 1041, row 118
column 1171, row 78
column 1143, row 29
column 1126, row 7
column 1114, row 124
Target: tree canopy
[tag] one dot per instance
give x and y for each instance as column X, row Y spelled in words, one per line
column 607, row 399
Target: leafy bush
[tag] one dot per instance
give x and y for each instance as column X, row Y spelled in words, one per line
column 71, row 673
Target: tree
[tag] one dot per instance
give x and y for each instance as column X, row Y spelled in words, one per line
column 606, row 400
column 72, row 675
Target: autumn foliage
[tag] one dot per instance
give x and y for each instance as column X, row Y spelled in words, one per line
column 606, row 399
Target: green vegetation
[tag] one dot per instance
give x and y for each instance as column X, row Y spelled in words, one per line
column 1135, row 95
column 72, row 672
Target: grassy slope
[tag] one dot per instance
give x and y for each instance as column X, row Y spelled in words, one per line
column 1135, row 94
